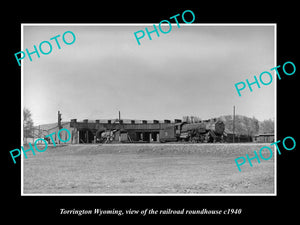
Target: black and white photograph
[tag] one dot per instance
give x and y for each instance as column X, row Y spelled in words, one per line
column 140, row 111
column 187, row 113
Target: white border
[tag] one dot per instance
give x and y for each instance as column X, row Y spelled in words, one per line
column 149, row 24
column 275, row 118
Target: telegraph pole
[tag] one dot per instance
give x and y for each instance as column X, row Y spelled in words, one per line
column 120, row 126
column 233, row 125
column 59, row 120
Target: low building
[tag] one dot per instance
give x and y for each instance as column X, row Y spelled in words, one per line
column 264, row 138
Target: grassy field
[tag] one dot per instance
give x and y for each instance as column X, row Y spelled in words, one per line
column 147, row 169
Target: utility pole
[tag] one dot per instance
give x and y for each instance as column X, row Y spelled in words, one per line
column 120, row 126
column 233, row 125
column 40, row 134
column 59, row 120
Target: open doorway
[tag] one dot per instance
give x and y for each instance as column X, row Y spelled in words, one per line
column 86, row 136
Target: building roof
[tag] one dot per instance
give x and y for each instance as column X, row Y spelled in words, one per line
column 266, row 134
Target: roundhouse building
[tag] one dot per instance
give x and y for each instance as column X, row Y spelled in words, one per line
column 95, row 131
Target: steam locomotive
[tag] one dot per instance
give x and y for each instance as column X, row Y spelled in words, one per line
column 207, row 131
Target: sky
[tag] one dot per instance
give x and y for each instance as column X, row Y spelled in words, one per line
column 191, row 70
